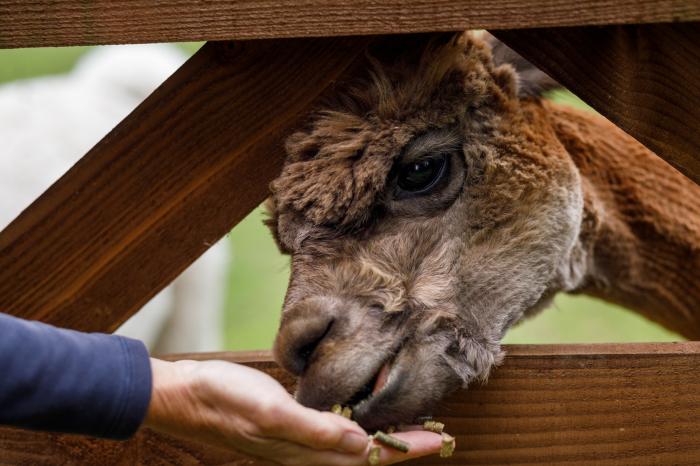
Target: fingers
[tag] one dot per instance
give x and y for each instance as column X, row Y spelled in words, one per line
column 291, row 454
column 311, row 457
column 421, row 443
column 321, row 438
column 321, row 430
column 327, row 431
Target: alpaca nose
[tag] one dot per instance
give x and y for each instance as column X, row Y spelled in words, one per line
column 303, row 328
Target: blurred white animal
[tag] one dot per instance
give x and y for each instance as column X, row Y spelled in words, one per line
column 47, row 124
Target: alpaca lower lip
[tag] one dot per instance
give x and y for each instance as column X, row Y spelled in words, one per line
column 383, row 409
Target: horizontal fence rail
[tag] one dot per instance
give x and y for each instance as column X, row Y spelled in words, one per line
column 547, row 405
column 34, row 23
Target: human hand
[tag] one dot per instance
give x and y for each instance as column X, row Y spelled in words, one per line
column 236, row 407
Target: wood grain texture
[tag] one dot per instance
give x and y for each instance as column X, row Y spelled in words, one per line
column 165, row 184
column 32, row 23
column 547, row 405
column 644, row 78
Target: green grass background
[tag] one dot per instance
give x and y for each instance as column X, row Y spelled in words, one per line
column 258, row 274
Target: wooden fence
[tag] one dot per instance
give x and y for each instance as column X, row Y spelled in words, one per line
column 197, row 156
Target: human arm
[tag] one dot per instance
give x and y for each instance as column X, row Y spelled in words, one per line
column 66, row 381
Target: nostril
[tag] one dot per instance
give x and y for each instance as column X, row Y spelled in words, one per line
column 306, row 350
column 302, row 330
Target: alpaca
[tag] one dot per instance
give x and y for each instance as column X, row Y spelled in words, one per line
column 433, row 207
column 48, row 123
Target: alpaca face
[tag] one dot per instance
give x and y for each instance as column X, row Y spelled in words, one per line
column 424, row 216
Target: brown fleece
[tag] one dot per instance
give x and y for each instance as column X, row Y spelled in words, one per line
column 643, row 221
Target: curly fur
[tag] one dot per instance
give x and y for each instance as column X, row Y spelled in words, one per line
column 352, row 147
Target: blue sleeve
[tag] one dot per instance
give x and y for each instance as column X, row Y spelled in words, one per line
column 66, row 381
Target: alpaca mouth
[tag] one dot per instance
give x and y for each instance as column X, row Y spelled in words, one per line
column 375, row 386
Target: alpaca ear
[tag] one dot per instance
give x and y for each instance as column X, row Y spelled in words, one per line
column 271, row 220
column 531, row 81
column 507, row 79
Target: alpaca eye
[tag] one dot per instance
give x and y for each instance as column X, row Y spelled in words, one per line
column 420, row 176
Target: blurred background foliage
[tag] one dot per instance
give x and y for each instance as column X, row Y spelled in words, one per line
column 258, row 273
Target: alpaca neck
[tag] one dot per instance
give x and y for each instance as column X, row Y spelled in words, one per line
column 641, row 226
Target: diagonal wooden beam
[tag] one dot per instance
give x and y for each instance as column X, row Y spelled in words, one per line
column 573, row 405
column 644, row 78
column 33, row 23
column 169, row 181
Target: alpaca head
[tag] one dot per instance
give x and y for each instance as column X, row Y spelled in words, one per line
column 425, row 212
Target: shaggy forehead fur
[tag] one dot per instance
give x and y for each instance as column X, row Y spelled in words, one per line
column 337, row 167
